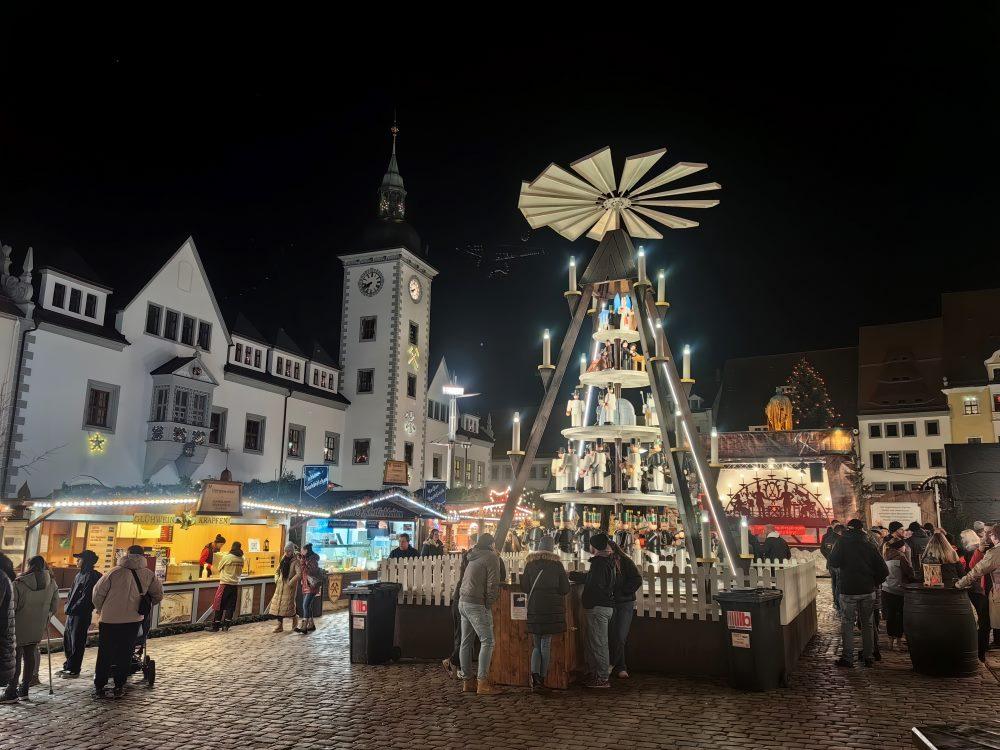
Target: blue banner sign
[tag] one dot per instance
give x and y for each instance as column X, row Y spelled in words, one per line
column 315, row 479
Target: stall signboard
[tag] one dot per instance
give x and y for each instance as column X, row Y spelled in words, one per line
column 220, row 498
column 434, row 492
column 315, row 479
column 886, row 513
column 154, row 519
column 396, row 472
column 518, row 605
column 101, row 540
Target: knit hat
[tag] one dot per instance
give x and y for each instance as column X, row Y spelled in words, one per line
column 978, row 526
column 599, row 541
column 915, row 527
column 485, row 541
column 547, row 544
column 894, row 527
column 855, row 523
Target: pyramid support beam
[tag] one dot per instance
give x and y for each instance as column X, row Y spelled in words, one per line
column 542, row 417
column 666, row 383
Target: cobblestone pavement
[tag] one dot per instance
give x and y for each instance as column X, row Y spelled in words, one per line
column 251, row 689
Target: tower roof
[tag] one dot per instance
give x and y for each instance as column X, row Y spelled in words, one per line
column 392, row 178
column 613, row 260
column 390, row 229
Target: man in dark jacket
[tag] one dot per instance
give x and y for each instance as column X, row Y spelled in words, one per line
column 628, row 581
column 598, row 600
column 826, row 545
column 8, row 653
column 775, row 547
column 861, row 570
column 79, row 612
column 917, row 542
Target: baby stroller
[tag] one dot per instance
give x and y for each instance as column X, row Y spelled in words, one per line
column 140, row 659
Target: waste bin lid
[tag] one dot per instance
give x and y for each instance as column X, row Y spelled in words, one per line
column 368, row 587
column 748, row 596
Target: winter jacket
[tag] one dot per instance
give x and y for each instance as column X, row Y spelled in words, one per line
column 599, row 582
column 80, row 602
column 628, row 579
column 310, row 570
column 36, row 598
column 897, row 561
column 432, row 550
column 7, row 629
column 860, row 566
column 116, row 597
column 971, row 557
column 917, row 544
column 826, row 545
column 989, row 565
column 229, row 567
column 544, row 580
column 483, row 576
column 775, row 548
column 399, row 552
column 286, row 590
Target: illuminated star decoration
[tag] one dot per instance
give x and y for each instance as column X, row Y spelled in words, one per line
column 97, row 443
column 413, row 356
column 597, row 203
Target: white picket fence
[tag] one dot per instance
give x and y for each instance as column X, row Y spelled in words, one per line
column 666, row 592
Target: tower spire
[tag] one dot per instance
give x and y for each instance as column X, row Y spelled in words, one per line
column 392, row 194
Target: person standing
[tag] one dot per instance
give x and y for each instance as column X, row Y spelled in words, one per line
column 830, row 539
column 312, row 587
column 896, row 554
column 917, row 542
column 628, row 581
column 404, row 550
column 977, row 595
column 79, row 612
column 453, row 664
column 544, row 581
column 598, row 600
column 433, row 547
column 775, row 547
column 35, row 598
column 480, row 588
column 286, row 589
column 229, row 567
column 988, row 569
column 208, row 553
column 8, row 644
column 122, row 598
column 861, row 569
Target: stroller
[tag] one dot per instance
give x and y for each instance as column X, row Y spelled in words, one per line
column 140, row 659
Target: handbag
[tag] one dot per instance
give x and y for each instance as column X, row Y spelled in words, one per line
column 145, row 600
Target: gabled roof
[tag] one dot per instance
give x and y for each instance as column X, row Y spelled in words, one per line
column 320, row 356
column 613, row 261
column 243, row 328
column 900, row 367
column 52, row 317
column 284, row 342
column 291, row 385
column 70, row 263
column 172, row 365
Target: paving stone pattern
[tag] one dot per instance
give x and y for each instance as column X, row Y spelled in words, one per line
column 250, row 688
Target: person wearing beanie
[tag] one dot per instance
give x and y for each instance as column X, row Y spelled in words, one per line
column 79, row 613
column 230, row 567
column 598, row 600
column 917, row 542
column 286, row 589
column 861, row 570
column 208, row 553
column 545, row 582
column 480, row 588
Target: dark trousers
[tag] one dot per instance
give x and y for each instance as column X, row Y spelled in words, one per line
column 75, row 641
column 456, row 626
column 835, row 587
column 115, row 645
column 26, row 660
column 227, row 606
column 892, row 605
column 981, row 604
column 621, row 622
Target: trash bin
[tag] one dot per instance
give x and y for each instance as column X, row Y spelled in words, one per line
column 372, row 621
column 753, row 644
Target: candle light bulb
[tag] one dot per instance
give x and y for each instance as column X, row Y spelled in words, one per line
column 704, row 517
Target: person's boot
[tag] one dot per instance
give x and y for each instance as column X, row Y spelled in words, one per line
column 9, row 696
column 485, row 687
column 295, row 623
column 280, row 627
column 469, row 685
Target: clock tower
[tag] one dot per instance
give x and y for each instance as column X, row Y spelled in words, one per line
column 384, row 342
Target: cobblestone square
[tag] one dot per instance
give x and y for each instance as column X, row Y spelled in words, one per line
column 254, row 689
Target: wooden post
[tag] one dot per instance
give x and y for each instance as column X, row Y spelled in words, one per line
column 523, row 467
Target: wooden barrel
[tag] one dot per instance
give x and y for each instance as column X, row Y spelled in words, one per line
column 940, row 628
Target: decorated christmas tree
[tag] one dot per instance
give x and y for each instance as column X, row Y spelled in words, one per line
column 811, row 405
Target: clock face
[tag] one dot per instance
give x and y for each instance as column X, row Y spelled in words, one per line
column 410, row 422
column 370, row 282
column 415, row 289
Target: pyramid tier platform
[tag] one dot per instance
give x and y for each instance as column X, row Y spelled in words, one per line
column 610, row 334
column 612, row 432
column 625, row 378
column 662, row 500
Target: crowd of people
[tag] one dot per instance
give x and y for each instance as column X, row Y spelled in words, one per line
column 870, row 568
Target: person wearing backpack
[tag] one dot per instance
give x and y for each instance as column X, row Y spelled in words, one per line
column 123, row 597
column 628, row 581
column 544, row 581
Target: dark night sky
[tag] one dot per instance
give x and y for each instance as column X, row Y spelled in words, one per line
column 858, row 160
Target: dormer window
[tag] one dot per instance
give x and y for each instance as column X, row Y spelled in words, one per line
column 74, row 300
column 279, row 366
column 59, row 295
column 90, row 308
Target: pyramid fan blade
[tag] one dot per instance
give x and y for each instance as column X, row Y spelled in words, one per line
column 685, row 190
column 676, row 204
column 638, row 228
column 668, row 220
column 602, row 226
column 637, row 166
column 555, row 215
column 680, row 169
column 597, row 169
column 578, row 227
column 565, row 218
column 536, row 199
column 557, row 179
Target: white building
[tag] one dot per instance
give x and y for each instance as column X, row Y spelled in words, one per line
column 153, row 386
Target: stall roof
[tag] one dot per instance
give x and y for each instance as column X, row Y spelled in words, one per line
column 385, row 503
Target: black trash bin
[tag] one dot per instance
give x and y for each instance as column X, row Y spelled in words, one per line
column 372, row 621
column 754, row 648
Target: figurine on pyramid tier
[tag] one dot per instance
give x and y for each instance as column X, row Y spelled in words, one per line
column 599, row 470
column 571, row 465
column 610, row 406
column 656, row 465
column 565, row 537
column 649, row 412
column 558, row 467
column 624, row 537
column 535, row 535
column 633, row 466
column 575, row 409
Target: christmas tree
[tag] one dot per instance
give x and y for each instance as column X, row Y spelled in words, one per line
column 811, row 405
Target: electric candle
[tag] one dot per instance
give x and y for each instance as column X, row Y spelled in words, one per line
column 516, row 434
column 546, row 349
column 687, row 362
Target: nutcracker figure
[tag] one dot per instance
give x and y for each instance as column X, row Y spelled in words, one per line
column 574, row 410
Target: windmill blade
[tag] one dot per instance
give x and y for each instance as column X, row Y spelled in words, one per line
column 668, row 220
column 542, row 200
column 572, row 231
column 680, row 169
column 469, row 395
column 597, row 169
column 540, row 217
column 603, row 225
column 557, row 180
column 637, row 166
column 677, row 204
column 638, row 228
column 683, row 191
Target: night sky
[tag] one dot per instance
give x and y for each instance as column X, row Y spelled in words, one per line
column 858, row 159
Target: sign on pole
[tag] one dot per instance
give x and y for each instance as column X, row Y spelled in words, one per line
column 434, row 492
column 315, row 479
